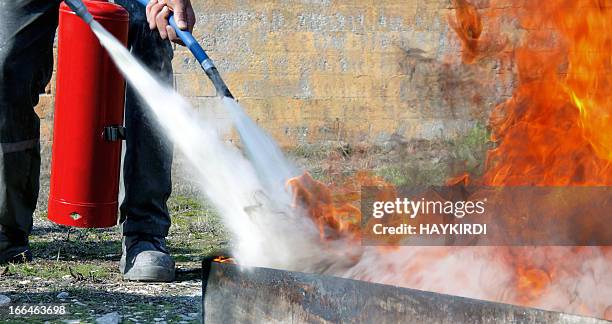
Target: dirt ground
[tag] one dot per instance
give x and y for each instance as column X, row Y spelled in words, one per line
column 78, row 268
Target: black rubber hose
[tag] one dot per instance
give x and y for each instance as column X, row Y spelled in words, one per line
column 80, row 9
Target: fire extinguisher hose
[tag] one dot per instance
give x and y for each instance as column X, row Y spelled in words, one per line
column 79, row 8
column 190, row 42
column 200, row 54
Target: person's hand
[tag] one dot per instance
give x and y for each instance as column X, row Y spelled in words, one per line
column 158, row 12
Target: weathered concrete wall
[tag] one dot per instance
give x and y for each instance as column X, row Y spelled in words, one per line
column 349, row 70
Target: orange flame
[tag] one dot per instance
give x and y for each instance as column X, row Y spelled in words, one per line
column 532, row 282
column 224, row 259
column 468, row 26
column 333, row 209
column 556, row 130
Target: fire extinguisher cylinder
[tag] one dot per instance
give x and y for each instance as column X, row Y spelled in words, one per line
column 88, row 118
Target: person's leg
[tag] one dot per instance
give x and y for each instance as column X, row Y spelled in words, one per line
column 147, row 164
column 27, row 30
column 148, row 156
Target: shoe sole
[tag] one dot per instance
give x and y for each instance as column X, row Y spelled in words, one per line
column 16, row 255
column 150, row 274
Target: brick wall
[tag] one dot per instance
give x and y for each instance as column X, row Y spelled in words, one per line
column 315, row 70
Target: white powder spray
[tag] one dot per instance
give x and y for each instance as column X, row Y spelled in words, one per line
column 251, row 196
column 228, row 179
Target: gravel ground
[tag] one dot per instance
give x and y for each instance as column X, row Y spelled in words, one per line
column 79, row 270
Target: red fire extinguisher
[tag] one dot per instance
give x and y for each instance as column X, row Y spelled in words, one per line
column 88, row 121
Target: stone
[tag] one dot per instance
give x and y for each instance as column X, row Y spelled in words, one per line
column 110, row 318
column 4, row 300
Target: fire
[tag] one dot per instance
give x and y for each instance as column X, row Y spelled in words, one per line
column 333, row 208
column 588, row 80
column 468, row 27
column 556, row 130
column 532, row 282
column 224, row 259
column 331, row 218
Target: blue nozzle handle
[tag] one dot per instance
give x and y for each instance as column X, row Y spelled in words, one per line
column 205, row 62
column 190, row 42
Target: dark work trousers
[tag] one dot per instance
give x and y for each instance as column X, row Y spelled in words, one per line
column 27, row 30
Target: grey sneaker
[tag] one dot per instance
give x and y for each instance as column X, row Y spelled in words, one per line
column 146, row 258
column 14, row 247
